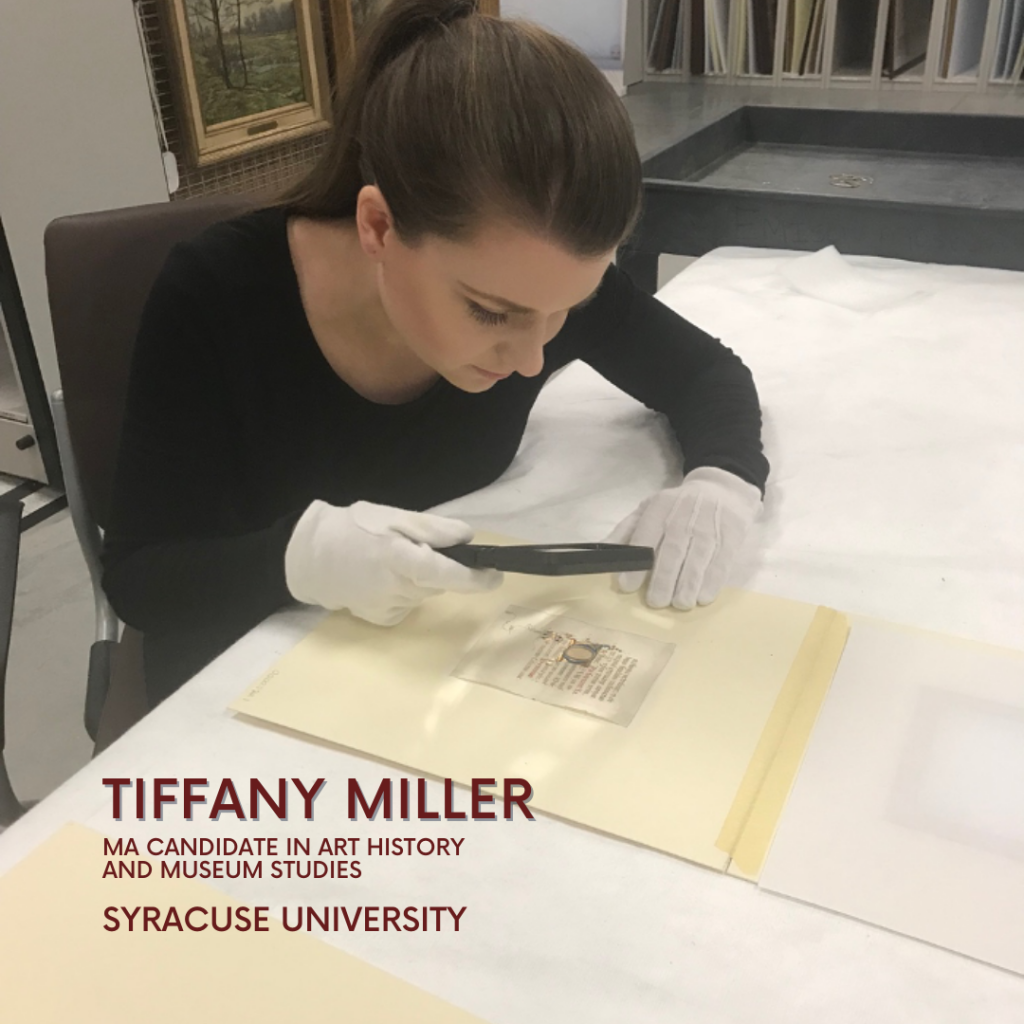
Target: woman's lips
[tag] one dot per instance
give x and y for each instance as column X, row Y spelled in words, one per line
column 489, row 375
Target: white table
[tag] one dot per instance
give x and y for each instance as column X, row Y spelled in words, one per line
column 896, row 492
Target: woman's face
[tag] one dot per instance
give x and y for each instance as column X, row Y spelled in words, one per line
column 476, row 312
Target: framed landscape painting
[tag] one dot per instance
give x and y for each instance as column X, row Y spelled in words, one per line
column 247, row 73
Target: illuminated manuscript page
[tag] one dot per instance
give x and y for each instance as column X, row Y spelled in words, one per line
column 59, row 966
column 565, row 662
column 691, row 761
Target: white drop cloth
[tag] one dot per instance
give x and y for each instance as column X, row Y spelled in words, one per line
column 893, row 397
column 896, row 443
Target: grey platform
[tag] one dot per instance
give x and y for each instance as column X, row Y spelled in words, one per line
column 758, row 168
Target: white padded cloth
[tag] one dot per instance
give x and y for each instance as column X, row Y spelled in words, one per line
column 896, row 436
column 895, row 432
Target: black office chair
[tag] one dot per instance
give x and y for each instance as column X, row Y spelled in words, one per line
column 99, row 270
column 10, row 542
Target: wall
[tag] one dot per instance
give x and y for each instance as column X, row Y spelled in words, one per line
column 76, row 131
column 593, row 25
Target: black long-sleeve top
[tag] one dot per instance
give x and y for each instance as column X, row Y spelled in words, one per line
column 235, row 422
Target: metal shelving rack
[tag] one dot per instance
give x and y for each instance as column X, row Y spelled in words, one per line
column 926, row 76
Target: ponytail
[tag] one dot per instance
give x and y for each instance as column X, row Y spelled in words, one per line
column 399, row 24
column 456, row 115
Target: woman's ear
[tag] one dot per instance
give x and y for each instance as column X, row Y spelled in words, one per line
column 373, row 221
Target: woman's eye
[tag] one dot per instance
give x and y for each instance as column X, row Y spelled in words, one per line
column 487, row 316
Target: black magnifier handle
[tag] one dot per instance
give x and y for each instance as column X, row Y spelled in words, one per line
column 553, row 559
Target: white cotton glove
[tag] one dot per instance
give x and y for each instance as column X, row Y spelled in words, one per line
column 696, row 529
column 376, row 561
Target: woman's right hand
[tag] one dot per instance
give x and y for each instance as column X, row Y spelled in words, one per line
column 376, row 561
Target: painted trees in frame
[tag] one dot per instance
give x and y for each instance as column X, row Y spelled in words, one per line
column 251, row 73
column 248, row 73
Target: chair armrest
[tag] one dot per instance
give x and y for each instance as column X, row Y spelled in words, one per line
column 10, row 544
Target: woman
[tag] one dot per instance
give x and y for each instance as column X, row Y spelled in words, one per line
column 309, row 377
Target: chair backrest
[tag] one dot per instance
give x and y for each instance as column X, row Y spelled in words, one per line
column 100, row 268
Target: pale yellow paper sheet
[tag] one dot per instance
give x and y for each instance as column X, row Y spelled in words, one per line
column 750, row 827
column 669, row 780
column 58, row 965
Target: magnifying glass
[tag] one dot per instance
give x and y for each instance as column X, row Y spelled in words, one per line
column 553, row 559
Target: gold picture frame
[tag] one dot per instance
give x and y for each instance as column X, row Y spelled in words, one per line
column 247, row 73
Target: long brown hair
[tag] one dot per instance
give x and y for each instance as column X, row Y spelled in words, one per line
column 456, row 116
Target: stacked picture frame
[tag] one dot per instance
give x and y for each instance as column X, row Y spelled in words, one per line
column 251, row 74
column 965, row 45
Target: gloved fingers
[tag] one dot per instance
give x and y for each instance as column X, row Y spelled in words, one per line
column 480, row 581
column 388, row 607
column 429, row 569
column 648, row 532
column 702, row 527
column 402, row 596
column 631, row 582
column 668, row 528
column 436, row 531
column 696, row 530
column 407, row 592
column 714, row 578
column 420, row 527
column 733, row 533
column 659, row 513
column 703, row 547
column 390, row 615
column 668, row 564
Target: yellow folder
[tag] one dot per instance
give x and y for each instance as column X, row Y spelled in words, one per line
column 58, row 964
column 702, row 770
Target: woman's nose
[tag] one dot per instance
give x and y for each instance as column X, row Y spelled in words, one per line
column 529, row 357
column 530, row 350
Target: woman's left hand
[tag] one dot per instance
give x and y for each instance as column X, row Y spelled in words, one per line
column 696, row 529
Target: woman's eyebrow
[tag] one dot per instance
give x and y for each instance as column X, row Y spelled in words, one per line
column 514, row 307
